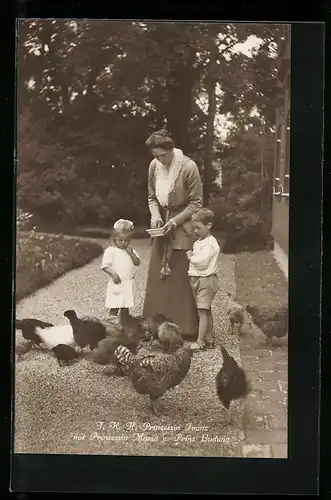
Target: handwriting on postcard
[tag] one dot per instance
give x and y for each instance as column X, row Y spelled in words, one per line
column 131, row 431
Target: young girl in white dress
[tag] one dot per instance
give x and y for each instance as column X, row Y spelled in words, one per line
column 119, row 262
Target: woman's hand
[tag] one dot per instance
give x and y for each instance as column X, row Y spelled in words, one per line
column 169, row 226
column 156, row 223
column 189, row 254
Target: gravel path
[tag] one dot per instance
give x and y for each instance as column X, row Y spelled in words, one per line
column 59, row 410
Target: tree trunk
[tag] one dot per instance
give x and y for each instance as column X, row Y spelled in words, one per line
column 56, row 64
column 158, row 100
column 179, row 108
column 208, row 161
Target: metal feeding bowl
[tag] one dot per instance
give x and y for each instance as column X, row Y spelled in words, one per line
column 155, row 233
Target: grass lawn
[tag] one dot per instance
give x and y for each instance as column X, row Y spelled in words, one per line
column 259, row 280
column 41, row 259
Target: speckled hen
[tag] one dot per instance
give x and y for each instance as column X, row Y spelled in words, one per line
column 273, row 322
column 155, row 374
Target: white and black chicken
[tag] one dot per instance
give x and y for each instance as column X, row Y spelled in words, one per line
column 48, row 336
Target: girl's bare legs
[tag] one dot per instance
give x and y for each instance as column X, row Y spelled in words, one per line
column 113, row 312
column 124, row 314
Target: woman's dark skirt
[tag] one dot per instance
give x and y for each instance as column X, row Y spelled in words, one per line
column 171, row 296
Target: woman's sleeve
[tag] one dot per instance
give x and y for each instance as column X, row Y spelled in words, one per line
column 152, row 201
column 194, row 188
column 107, row 258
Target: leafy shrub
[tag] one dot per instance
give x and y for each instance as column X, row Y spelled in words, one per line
column 41, row 259
column 23, row 219
column 246, row 232
column 96, row 232
column 220, row 206
column 238, row 214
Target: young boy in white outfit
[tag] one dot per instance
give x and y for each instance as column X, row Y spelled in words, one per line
column 203, row 275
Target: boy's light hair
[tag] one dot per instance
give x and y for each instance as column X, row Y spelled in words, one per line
column 204, row 215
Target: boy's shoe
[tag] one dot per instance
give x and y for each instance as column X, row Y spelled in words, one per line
column 197, row 347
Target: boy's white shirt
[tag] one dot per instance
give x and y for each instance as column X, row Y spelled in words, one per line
column 204, row 257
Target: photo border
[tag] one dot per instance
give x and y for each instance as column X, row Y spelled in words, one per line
column 298, row 473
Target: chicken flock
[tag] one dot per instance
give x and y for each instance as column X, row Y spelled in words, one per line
column 117, row 346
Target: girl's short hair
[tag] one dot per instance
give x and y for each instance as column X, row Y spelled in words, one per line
column 160, row 139
column 204, row 215
column 121, row 227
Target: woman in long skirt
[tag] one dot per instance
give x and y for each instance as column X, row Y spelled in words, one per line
column 174, row 194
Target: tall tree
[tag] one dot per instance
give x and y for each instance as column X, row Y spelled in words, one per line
column 92, row 91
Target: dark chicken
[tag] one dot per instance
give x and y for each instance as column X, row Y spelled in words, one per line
column 65, row 354
column 50, row 336
column 162, row 328
column 155, row 374
column 262, row 314
column 273, row 329
column 153, row 322
column 130, row 335
column 22, row 348
column 231, row 382
column 28, row 326
column 133, row 327
column 273, row 322
column 86, row 331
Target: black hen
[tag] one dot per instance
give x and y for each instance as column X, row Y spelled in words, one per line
column 231, row 382
column 152, row 324
column 86, row 331
column 130, row 335
column 65, row 354
column 28, row 327
column 155, row 320
column 134, row 330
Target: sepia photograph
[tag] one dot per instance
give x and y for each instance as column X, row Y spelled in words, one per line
column 152, row 171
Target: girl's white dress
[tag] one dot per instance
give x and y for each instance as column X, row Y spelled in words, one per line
column 119, row 295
